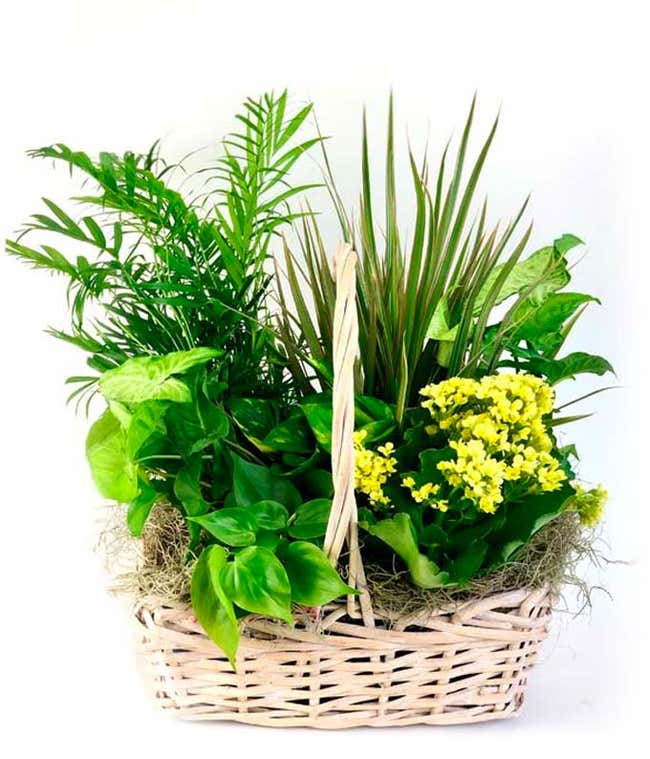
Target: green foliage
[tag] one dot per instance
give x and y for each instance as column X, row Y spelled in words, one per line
column 427, row 309
column 167, row 272
column 114, row 473
column 399, row 534
column 163, row 437
column 314, row 582
column 212, row 606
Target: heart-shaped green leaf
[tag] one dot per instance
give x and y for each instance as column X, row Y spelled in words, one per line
column 212, row 607
column 310, row 519
column 253, row 483
column 257, row 582
column 268, row 515
column 232, row 526
column 115, row 475
column 314, row 581
column 148, row 378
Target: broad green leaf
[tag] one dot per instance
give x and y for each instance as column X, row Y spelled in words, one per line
column 317, row 483
column 146, row 431
column 540, row 323
column 566, row 242
column 211, row 605
column 140, row 507
column 257, row 582
column 113, row 472
column 196, row 425
column 232, row 526
column 314, row 581
column 439, row 327
column 468, row 563
column 524, row 519
column 559, row 369
column 319, row 416
column 310, row 519
column 187, row 488
column 547, row 267
column 368, row 409
column 253, row 483
column 148, row 378
column 256, row 417
column 291, row 436
column 268, row 515
column 399, row 534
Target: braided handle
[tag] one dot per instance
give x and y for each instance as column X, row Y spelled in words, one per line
column 342, row 522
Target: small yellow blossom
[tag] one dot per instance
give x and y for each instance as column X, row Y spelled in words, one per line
column 496, row 427
column 372, row 468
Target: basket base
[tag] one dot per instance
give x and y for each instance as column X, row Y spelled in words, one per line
column 467, row 664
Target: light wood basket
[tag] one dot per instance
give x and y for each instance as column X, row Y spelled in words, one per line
column 349, row 666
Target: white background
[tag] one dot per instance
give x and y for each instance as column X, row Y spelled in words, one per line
column 571, row 78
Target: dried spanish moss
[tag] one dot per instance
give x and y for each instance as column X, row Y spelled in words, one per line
column 157, row 565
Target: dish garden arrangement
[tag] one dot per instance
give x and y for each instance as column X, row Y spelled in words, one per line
column 347, row 492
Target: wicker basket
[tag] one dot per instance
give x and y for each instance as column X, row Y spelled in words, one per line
column 350, row 666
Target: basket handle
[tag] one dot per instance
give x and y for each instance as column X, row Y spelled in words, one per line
column 342, row 524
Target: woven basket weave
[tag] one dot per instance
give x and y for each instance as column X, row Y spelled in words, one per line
column 349, row 666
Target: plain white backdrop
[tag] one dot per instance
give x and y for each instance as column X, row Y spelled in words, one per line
column 571, row 81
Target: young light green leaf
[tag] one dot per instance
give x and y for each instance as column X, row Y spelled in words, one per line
column 211, row 605
column 147, row 378
column 113, row 472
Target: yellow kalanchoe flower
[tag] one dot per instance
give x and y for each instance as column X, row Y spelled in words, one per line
column 372, row 468
column 425, row 493
column 496, row 427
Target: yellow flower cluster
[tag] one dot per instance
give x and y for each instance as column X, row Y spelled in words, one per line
column 589, row 504
column 426, row 494
column 496, row 427
column 372, row 468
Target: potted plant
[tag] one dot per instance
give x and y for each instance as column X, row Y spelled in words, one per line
column 352, row 508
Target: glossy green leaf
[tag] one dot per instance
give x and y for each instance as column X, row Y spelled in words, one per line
column 212, row 607
column 253, row 483
column 187, row 488
column 314, row 581
column 147, row 378
column 232, row 526
column 310, row 519
column 196, row 425
column 556, row 370
column 467, row 564
column 268, row 515
column 540, row 323
column 140, row 508
column 292, row 436
column 399, row 534
column 257, row 582
column 524, row 519
column 256, row 417
column 319, row 416
column 114, row 474
column 146, row 431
